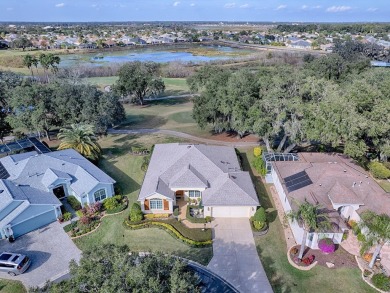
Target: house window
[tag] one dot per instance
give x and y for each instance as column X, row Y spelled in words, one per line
column 194, row 193
column 100, row 195
column 156, row 204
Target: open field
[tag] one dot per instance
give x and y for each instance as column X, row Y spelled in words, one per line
column 126, row 170
column 173, row 114
column 9, row 286
column 173, row 86
column 272, row 251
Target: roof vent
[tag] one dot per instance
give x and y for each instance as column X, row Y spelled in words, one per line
column 354, row 183
column 320, row 184
column 345, row 171
column 188, row 147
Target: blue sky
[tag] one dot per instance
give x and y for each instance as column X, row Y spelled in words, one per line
column 195, row 10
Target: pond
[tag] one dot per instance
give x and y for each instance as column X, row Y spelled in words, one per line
column 191, row 54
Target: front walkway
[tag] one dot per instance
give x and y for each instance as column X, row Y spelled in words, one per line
column 351, row 244
column 183, row 216
column 235, row 256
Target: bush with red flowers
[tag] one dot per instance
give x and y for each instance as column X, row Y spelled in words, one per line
column 326, row 245
column 308, row 260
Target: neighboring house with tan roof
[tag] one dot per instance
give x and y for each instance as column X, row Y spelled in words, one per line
column 210, row 175
column 334, row 182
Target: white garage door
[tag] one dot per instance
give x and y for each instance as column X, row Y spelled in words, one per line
column 230, row 212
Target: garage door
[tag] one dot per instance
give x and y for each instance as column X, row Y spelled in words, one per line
column 230, row 212
column 34, row 223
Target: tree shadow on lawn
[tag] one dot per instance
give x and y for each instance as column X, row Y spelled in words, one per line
column 143, row 121
column 277, row 282
column 259, row 186
column 166, row 102
column 126, row 184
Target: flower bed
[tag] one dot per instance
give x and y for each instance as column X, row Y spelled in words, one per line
column 194, row 219
column 172, row 230
column 326, row 245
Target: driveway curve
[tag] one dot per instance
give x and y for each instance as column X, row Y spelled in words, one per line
column 183, row 135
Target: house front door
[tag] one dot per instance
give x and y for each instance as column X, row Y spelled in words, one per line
column 179, row 194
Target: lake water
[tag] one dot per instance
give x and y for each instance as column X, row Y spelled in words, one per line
column 146, row 54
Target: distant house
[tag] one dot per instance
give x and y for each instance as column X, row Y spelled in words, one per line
column 343, row 189
column 208, row 175
column 32, row 185
column 299, row 44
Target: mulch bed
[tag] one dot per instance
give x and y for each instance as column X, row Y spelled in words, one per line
column 340, row 258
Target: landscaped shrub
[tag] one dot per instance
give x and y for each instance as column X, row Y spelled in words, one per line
column 308, row 260
column 94, row 208
column 85, row 220
column 360, row 237
column 259, row 165
column 136, row 214
column 326, row 245
column 259, row 219
column 156, row 216
column 208, row 219
column 258, row 225
column 111, row 203
column 145, row 163
column 294, row 251
column 74, row 203
column 67, row 216
column 381, row 281
column 378, row 170
column 70, row 226
column 171, row 230
column 257, row 151
column 367, row 257
column 176, row 212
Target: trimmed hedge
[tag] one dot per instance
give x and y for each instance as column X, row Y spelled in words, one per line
column 74, row 203
column 171, row 230
column 381, row 281
column 191, row 218
column 155, row 216
column 70, row 226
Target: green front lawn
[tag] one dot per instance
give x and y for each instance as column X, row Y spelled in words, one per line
column 10, row 286
column 385, row 185
column 126, row 170
column 272, row 251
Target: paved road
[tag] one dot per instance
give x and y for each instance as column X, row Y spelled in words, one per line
column 50, row 250
column 235, row 256
column 183, row 135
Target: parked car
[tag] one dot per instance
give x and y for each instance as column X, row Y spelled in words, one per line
column 14, row 263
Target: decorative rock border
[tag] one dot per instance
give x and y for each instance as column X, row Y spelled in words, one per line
column 308, row 268
column 365, row 279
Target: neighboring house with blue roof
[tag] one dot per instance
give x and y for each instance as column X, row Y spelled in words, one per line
column 32, row 185
column 210, row 175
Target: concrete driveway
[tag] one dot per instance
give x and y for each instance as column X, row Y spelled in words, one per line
column 235, row 257
column 50, row 250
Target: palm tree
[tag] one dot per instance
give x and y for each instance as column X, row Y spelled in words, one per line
column 80, row 137
column 311, row 218
column 376, row 230
column 28, row 62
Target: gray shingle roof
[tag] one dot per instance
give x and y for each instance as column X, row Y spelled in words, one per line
column 215, row 168
column 40, row 170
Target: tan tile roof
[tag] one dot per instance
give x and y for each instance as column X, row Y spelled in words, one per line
column 335, row 178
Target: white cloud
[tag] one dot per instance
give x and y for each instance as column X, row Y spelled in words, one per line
column 60, row 5
column 192, row 4
column 230, row 5
column 244, row 6
column 9, row 9
column 177, row 3
column 372, row 9
column 338, row 8
column 94, row 5
column 304, row 7
column 317, row 7
column 280, row 7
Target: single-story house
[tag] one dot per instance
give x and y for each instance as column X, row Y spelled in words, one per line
column 209, row 175
column 342, row 189
column 32, row 184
